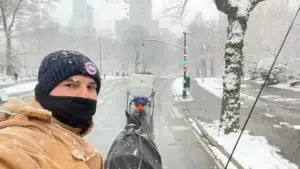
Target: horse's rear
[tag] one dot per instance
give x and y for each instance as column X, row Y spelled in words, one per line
column 133, row 148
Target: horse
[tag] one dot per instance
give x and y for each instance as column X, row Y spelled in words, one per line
column 142, row 119
column 133, row 148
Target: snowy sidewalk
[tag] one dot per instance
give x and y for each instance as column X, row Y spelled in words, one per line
column 177, row 88
column 215, row 86
column 20, row 88
column 11, row 82
column 285, row 86
column 253, row 152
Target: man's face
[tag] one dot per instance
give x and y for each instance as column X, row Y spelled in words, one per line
column 76, row 86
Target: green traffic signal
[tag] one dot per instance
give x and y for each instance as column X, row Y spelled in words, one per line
column 184, row 62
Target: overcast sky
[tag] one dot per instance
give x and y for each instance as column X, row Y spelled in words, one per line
column 105, row 15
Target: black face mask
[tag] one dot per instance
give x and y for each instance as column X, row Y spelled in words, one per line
column 73, row 111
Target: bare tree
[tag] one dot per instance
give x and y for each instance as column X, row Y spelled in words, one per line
column 12, row 12
column 132, row 39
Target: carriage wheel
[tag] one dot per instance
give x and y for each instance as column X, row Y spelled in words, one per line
column 128, row 103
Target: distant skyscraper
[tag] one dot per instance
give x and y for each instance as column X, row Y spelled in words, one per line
column 79, row 9
column 79, row 14
column 199, row 18
column 90, row 16
column 140, row 11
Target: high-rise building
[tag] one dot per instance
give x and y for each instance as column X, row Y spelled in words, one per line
column 140, row 14
column 79, row 11
column 90, row 16
column 140, row 11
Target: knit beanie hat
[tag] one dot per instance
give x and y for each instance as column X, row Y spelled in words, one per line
column 60, row 65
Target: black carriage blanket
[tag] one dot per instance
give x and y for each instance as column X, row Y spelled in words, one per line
column 133, row 150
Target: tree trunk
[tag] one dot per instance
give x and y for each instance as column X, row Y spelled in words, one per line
column 212, row 69
column 8, row 55
column 203, row 65
column 197, row 69
column 233, row 72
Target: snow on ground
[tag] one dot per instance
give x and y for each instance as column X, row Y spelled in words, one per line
column 286, row 86
column 20, row 88
column 259, row 81
column 215, row 86
column 252, row 151
column 177, row 88
column 283, row 124
column 113, row 77
column 269, row 115
column 12, row 81
column 212, row 85
column 277, row 98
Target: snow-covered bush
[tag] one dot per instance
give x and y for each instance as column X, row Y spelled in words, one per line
column 294, row 76
column 278, row 74
column 254, row 74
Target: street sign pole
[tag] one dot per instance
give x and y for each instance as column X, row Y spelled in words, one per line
column 184, row 93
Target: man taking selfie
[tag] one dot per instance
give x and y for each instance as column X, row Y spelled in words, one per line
column 47, row 131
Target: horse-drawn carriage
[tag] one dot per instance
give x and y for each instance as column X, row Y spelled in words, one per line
column 140, row 96
column 142, row 152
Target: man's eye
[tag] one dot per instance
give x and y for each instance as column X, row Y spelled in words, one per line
column 70, row 85
column 92, row 88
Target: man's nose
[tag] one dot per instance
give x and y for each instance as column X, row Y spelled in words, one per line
column 83, row 92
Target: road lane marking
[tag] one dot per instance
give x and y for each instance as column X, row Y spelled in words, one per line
column 180, row 128
column 171, row 113
column 176, row 112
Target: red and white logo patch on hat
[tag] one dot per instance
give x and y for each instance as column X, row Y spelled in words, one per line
column 90, row 68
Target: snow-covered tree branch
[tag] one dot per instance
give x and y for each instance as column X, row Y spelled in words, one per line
column 238, row 12
column 12, row 12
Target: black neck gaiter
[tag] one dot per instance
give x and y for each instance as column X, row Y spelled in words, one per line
column 75, row 112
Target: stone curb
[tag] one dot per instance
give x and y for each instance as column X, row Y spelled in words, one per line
column 214, row 143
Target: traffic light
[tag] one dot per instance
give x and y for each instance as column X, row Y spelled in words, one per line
column 187, row 82
column 184, row 63
column 143, row 45
column 184, row 60
column 185, row 68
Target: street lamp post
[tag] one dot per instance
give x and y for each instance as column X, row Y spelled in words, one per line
column 185, row 68
column 100, row 56
column 100, row 52
column 186, row 80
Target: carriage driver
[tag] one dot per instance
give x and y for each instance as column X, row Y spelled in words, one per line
column 47, row 131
